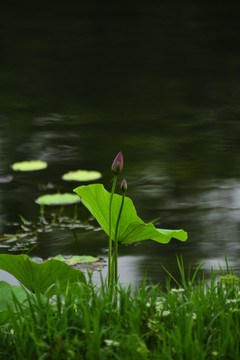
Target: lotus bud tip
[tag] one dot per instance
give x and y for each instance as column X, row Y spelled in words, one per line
column 124, row 185
column 117, row 164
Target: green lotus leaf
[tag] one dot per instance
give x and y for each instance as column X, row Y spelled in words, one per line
column 29, row 165
column 82, row 175
column 76, row 259
column 8, row 292
column 41, row 277
column 131, row 228
column 58, row 199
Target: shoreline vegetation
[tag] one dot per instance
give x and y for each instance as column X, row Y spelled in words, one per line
column 190, row 319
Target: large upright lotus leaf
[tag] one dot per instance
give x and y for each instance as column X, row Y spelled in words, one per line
column 40, row 277
column 82, row 175
column 131, row 228
column 32, row 165
column 58, row 199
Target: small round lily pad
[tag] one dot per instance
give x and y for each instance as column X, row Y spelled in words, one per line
column 58, row 199
column 32, row 165
column 82, row 175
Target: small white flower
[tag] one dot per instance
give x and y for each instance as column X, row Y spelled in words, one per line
column 194, row 316
column 110, row 342
column 234, row 310
column 180, row 290
column 152, row 324
column 159, row 305
column 166, row 313
column 232, row 301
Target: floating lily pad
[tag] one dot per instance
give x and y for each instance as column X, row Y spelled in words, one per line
column 58, row 199
column 82, row 175
column 76, row 259
column 83, row 263
column 29, row 165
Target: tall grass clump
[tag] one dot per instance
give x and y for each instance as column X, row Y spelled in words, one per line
column 189, row 319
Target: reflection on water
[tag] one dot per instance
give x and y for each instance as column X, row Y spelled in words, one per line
column 159, row 82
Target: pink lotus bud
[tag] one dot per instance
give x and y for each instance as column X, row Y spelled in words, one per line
column 117, row 164
column 124, row 185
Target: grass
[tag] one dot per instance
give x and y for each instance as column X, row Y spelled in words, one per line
column 191, row 320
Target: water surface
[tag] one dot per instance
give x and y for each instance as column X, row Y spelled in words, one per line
column 160, row 82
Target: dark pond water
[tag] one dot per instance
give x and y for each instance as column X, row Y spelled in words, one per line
column 159, row 81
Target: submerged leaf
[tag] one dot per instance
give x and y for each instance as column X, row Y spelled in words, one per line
column 41, row 277
column 58, row 199
column 82, row 175
column 131, row 228
column 29, row 165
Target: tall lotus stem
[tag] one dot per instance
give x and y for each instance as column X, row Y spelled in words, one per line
column 110, row 232
column 124, row 189
column 117, row 166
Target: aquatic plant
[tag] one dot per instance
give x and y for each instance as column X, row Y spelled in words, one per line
column 32, row 165
column 76, row 259
column 117, row 216
column 57, row 199
column 82, row 175
column 41, row 278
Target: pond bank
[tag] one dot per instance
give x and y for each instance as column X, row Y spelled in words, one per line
column 191, row 320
